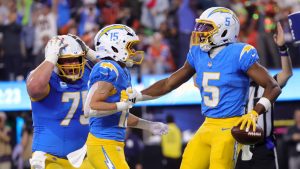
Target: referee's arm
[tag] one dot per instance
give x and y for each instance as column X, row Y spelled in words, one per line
column 286, row 64
column 286, row 70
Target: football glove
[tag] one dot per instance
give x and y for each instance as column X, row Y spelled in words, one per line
column 126, row 104
column 54, row 48
column 133, row 95
column 158, row 128
column 124, row 96
column 247, row 120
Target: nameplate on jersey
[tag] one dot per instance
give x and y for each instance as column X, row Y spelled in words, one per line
column 63, row 85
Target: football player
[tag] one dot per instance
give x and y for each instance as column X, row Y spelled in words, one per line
column 107, row 102
column 223, row 68
column 58, row 89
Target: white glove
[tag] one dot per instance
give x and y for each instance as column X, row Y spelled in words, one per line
column 133, row 95
column 158, row 128
column 53, row 49
column 124, row 103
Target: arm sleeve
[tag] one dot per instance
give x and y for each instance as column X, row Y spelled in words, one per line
column 248, row 57
column 89, row 64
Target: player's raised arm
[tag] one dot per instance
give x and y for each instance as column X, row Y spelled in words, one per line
column 168, row 84
column 38, row 80
column 286, row 63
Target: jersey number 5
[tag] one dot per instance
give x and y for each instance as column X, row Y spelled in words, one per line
column 212, row 101
column 74, row 97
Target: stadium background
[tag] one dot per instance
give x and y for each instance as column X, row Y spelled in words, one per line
column 164, row 27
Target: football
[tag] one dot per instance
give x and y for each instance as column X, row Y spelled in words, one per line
column 247, row 138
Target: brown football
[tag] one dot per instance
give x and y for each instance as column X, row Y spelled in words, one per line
column 247, row 138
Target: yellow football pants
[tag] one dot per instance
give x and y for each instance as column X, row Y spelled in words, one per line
column 53, row 162
column 212, row 147
column 106, row 154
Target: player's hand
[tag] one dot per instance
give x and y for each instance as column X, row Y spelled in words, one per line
column 158, row 128
column 248, row 120
column 279, row 36
column 54, row 48
column 124, row 98
column 90, row 54
column 133, row 95
column 83, row 46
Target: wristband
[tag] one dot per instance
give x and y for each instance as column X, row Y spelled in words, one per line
column 283, row 50
column 122, row 106
column 265, row 102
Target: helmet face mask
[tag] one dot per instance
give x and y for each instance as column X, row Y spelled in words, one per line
column 203, row 31
column 71, row 67
column 134, row 56
column 216, row 26
column 118, row 42
column 71, row 61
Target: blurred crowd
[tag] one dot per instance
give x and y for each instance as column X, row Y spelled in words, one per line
column 164, row 27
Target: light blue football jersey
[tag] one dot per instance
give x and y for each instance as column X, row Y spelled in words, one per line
column 110, row 127
column 223, row 81
column 58, row 121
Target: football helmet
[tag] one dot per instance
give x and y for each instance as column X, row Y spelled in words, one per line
column 71, row 60
column 118, row 42
column 215, row 26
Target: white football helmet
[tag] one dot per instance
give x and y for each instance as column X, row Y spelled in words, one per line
column 215, row 26
column 68, row 55
column 117, row 41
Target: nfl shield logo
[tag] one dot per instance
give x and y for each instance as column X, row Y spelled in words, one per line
column 63, row 85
